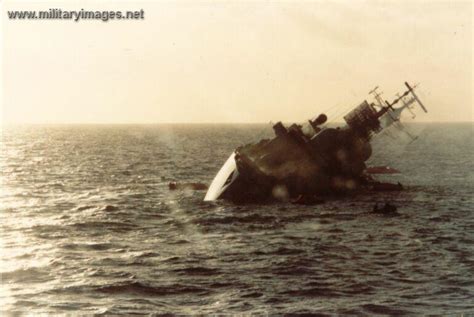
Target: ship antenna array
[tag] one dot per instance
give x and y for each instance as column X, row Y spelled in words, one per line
column 406, row 105
column 377, row 95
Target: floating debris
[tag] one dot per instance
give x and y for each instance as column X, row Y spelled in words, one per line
column 184, row 186
column 387, row 208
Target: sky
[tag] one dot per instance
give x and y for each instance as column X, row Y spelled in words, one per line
column 224, row 62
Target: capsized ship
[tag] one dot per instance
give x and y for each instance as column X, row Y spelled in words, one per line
column 318, row 160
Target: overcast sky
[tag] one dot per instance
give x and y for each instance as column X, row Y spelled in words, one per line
column 233, row 62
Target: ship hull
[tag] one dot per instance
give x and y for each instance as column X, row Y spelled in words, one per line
column 239, row 182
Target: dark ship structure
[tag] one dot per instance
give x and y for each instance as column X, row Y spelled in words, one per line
column 299, row 164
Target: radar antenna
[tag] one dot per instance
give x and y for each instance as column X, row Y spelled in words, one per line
column 377, row 96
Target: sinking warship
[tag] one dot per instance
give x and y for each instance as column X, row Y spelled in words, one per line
column 301, row 163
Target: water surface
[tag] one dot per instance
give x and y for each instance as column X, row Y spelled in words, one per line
column 88, row 225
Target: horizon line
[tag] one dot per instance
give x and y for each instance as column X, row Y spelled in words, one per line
column 192, row 123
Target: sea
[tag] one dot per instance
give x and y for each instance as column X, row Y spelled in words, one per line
column 89, row 226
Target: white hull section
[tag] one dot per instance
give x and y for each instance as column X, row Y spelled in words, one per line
column 226, row 176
